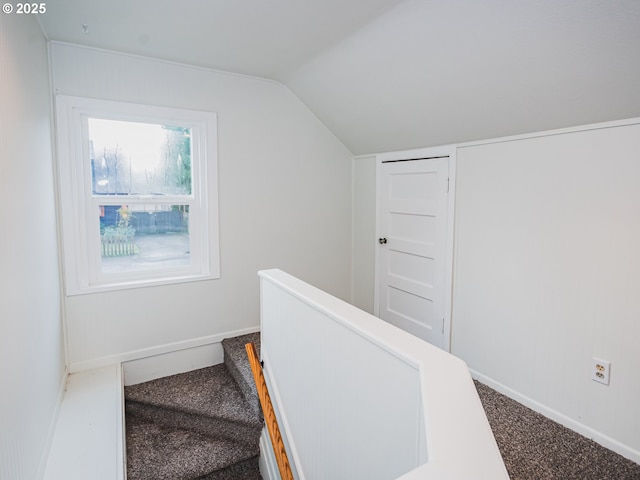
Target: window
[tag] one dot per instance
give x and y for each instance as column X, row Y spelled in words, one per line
column 138, row 194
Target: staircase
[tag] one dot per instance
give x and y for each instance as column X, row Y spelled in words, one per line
column 204, row 424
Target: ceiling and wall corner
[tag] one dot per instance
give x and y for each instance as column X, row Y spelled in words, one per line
column 434, row 73
column 253, row 37
column 387, row 75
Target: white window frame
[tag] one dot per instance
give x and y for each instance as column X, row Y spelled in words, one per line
column 80, row 222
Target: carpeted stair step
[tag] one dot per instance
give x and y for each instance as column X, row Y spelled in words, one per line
column 194, row 425
column 202, row 424
column 207, row 401
column 244, row 470
column 156, row 452
column 235, row 358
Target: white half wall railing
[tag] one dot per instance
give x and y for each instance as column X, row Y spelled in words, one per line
column 358, row 398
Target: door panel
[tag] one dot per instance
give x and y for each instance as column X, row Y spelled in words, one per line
column 418, row 267
column 411, row 269
column 410, row 311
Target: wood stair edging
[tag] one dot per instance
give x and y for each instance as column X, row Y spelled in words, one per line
column 196, row 425
column 271, row 420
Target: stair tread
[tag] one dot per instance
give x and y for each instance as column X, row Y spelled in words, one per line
column 248, row 434
column 158, row 452
column 235, row 357
column 235, row 346
column 209, row 391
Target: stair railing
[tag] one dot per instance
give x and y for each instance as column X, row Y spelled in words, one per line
column 269, row 414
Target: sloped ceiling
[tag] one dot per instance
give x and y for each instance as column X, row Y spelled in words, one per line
column 264, row 38
column 389, row 75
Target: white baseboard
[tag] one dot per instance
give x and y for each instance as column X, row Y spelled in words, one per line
column 52, row 425
column 268, row 464
column 181, row 361
column 176, row 361
column 596, row 436
column 168, row 348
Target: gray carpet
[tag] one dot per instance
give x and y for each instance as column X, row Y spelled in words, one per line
column 205, row 425
column 536, row 448
column 198, row 425
column 235, row 357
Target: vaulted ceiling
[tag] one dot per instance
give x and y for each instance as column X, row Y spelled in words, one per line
column 388, row 75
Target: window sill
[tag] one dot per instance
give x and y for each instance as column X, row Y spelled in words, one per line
column 127, row 285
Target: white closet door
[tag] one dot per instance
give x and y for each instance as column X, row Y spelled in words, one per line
column 412, row 229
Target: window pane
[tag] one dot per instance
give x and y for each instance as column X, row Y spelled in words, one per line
column 144, row 237
column 139, row 158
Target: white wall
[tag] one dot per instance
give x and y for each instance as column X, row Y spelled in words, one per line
column 285, row 196
column 547, row 275
column 364, row 231
column 31, row 339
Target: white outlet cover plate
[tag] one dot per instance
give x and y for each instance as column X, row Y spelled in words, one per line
column 600, row 371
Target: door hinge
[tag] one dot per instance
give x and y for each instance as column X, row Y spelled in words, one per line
column 447, row 184
column 443, row 326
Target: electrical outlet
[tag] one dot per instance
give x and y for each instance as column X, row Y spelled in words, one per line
column 600, row 371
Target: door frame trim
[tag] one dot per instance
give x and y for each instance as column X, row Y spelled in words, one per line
column 421, row 154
